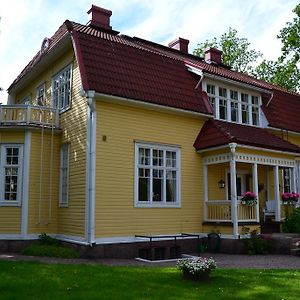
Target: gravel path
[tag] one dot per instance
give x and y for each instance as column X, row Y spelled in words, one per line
column 223, row 261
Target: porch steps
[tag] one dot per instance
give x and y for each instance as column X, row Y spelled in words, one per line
column 295, row 249
column 270, row 227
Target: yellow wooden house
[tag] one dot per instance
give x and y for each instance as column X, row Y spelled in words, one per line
column 107, row 137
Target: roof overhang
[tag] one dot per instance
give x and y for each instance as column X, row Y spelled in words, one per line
column 59, row 49
column 227, row 147
column 152, row 106
column 200, row 72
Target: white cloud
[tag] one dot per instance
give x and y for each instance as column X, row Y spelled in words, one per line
column 24, row 24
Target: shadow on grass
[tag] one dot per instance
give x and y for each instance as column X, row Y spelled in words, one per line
column 27, row 280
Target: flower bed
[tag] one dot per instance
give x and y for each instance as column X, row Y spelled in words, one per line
column 196, row 268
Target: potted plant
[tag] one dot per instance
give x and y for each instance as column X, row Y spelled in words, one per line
column 290, row 198
column 249, row 198
column 196, row 268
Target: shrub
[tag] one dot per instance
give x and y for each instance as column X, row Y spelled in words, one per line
column 256, row 244
column 292, row 222
column 47, row 240
column 196, row 268
column 50, row 250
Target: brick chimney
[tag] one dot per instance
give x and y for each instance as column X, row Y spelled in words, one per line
column 213, row 55
column 99, row 18
column 180, row 44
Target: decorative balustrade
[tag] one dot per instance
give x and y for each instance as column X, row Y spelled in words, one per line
column 29, row 115
column 220, row 211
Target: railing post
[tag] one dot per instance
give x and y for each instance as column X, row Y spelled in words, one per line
column 28, row 114
column 0, row 113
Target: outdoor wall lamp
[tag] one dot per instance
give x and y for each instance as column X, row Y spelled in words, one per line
column 221, row 184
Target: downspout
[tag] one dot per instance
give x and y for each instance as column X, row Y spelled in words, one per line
column 90, row 168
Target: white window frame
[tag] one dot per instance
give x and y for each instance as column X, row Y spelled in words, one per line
column 26, row 100
column 57, row 105
column 240, row 91
column 64, row 202
column 4, row 165
column 151, row 203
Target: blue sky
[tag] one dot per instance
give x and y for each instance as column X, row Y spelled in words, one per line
column 25, row 23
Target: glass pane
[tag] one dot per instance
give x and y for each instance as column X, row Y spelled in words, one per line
column 245, row 114
column 144, row 189
column 222, row 92
column 255, row 115
column 234, row 111
column 244, row 98
column 234, row 95
column 157, row 189
column 171, row 186
column 222, row 109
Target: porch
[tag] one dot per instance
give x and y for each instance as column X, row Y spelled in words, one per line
column 28, row 115
column 236, row 169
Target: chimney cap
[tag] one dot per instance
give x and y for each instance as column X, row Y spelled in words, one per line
column 213, row 55
column 180, row 44
column 99, row 17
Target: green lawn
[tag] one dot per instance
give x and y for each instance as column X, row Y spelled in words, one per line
column 29, row 280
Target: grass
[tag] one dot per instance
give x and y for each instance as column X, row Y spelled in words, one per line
column 31, row 280
column 50, row 251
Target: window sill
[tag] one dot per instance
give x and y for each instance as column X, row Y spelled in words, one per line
column 61, row 111
column 63, row 206
column 157, row 205
column 10, row 203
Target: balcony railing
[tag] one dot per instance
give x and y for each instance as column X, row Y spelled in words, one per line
column 29, row 115
column 220, row 211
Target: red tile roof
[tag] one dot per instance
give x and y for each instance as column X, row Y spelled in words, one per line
column 216, row 133
column 142, row 70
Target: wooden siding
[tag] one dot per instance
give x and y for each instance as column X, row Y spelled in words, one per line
column 68, row 220
column 10, row 217
column 115, row 212
column 44, row 182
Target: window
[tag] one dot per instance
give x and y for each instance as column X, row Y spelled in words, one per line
column 234, row 105
column 11, row 174
column 286, row 174
column 64, row 175
column 25, row 100
column 157, row 181
column 61, row 87
column 222, row 103
column 255, row 110
column 40, row 95
column 211, row 92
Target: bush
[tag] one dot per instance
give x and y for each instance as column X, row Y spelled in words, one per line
column 292, row 222
column 50, row 250
column 256, row 244
column 196, row 268
column 47, row 240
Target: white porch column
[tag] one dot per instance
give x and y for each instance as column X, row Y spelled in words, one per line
column 255, row 188
column 293, row 181
column 234, row 212
column 277, row 194
column 205, row 186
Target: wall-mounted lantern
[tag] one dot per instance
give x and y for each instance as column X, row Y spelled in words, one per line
column 221, row 184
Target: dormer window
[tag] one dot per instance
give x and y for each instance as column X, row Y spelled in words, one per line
column 234, row 105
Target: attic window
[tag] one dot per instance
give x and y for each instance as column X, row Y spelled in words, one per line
column 45, row 44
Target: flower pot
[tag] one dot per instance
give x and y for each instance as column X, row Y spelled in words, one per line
column 203, row 276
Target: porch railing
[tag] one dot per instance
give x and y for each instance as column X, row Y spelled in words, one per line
column 28, row 115
column 220, row 211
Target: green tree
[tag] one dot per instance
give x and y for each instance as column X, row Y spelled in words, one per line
column 236, row 51
column 285, row 70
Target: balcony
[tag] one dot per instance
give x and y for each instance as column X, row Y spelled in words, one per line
column 29, row 115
